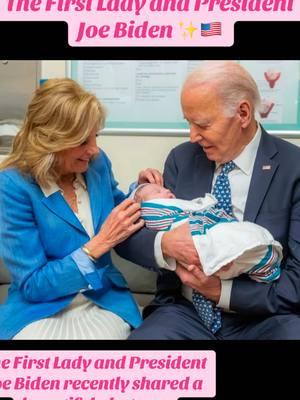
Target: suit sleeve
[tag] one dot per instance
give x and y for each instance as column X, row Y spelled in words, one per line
column 139, row 248
column 170, row 172
column 283, row 295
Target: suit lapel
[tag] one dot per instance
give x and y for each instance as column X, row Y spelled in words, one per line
column 93, row 181
column 264, row 169
column 59, row 207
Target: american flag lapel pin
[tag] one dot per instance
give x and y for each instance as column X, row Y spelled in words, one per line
column 266, row 167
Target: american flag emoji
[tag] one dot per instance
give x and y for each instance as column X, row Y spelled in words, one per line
column 211, row 29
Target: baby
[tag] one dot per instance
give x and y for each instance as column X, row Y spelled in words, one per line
column 226, row 247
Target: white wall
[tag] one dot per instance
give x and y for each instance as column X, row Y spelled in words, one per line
column 53, row 69
column 129, row 154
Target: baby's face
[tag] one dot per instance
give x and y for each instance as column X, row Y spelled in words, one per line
column 154, row 191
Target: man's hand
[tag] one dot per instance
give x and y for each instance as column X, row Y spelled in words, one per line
column 150, row 175
column 194, row 277
column 179, row 244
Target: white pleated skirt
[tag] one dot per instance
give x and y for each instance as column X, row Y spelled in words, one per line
column 81, row 320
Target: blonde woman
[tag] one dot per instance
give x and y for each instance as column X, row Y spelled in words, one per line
column 60, row 215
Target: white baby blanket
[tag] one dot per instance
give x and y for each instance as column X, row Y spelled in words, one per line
column 218, row 239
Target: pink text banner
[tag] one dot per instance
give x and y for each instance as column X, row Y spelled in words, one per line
column 150, row 22
column 107, row 375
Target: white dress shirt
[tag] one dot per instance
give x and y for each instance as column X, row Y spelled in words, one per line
column 83, row 202
column 239, row 179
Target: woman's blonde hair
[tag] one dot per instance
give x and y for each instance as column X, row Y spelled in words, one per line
column 60, row 116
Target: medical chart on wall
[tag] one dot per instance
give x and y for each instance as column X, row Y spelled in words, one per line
column 146, row 94
column 279, row 93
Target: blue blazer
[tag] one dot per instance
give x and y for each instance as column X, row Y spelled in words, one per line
column 38, row 236
column 273, row 202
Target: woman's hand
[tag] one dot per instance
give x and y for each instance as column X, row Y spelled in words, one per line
column 150, row 175
column 122, row 222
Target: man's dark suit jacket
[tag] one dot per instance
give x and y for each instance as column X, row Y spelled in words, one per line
column 273, row 202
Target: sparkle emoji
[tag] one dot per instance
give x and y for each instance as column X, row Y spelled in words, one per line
column 189, row 30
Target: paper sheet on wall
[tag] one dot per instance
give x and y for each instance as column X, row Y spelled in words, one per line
column 146, row 94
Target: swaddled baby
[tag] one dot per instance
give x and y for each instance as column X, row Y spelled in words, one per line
column 226, row 246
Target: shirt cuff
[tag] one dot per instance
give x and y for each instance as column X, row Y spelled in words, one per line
column 87, row 268
column 226, row 287
column 168, row 263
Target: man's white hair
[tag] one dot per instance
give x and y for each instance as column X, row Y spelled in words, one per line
column 230, row 80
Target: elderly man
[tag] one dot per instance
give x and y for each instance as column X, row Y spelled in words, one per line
column 257, row 178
